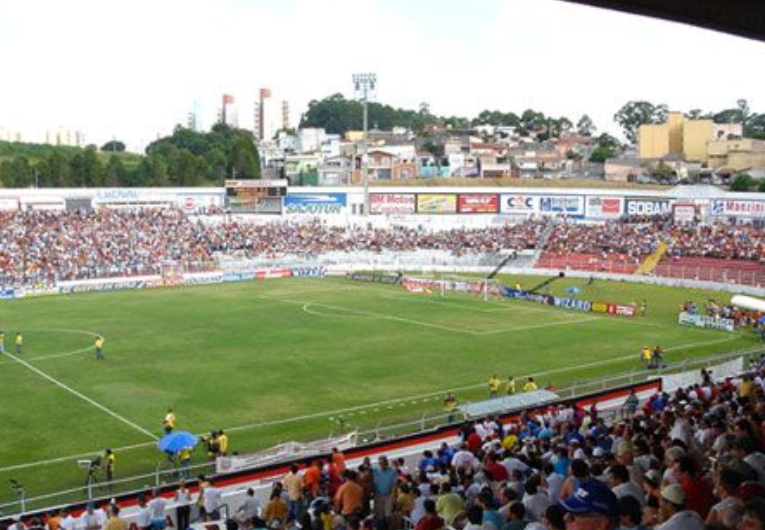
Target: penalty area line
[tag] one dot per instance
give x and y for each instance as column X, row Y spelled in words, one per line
column 83, row 397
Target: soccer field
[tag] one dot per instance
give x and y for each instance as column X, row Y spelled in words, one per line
column 282, row 360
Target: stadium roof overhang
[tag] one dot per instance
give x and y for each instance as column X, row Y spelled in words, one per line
column 745, row 18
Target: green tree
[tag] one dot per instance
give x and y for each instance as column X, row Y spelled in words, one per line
column 16, row 172
column 185, row 168
column 697, row 114
column 607, row 147
column 742, row 182
column 93, row 173
column 761, row 186
column 636, row 113
column 115, row 172
column 585, row 126
column 556, row 127
column 151, row 171
column 58, row 169
column 113, row 146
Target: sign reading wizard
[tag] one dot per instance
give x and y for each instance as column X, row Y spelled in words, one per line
column 315, row 203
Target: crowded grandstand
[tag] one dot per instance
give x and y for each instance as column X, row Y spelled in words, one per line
column 43, row 247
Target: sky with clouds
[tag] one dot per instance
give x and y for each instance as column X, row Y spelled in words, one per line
column 131, row 70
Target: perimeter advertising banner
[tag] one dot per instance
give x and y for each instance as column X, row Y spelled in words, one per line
column 9, row 204
column 518, row 203
column 441, row 203
column 598, row 207
column 562, row 204
column 315, row 203
column 478, row 203
column 649, row 207
column 737, row 208
column 392, row 203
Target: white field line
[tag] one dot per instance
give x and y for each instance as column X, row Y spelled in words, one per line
column 82, row 396
column 54, row 356
column 468, row 306
column 536, row 326
column 381, row 316
column 58, row 355
column 377, row 404
column 305, row 306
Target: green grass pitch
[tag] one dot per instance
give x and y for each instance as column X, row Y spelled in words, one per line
column 244, row 357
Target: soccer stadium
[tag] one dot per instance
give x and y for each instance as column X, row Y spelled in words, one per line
column 450, row 324
column 294, row 335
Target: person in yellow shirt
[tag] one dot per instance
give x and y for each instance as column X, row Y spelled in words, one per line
column 222, row 443
column 19, row 343
column 530, row 385
column 510, row 385
column 184, row 456
column 110, row 460
column 646, row 356
column 169, row 421
column 99, row 345
column 494, row 384
column 275, row 510
column 2, row 342
column 450, row 406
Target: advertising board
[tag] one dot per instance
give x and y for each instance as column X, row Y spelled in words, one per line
column 518, row 203
column 737, row 208
column 649, row 207
column 197, row 202
column 267, row 274
column 705, row 321
column 9, row 204
column 392, row 203
column 441, row 203
column 475, row 203
column 202, row 278
column 684, row 213
column 315, row 203
column 598, row 207
column 308, row 272
column 562, row 204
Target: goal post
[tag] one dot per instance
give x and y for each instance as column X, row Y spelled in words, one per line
column 486, row 289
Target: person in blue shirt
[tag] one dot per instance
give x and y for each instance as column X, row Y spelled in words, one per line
column 427, row 460
column 384, row 483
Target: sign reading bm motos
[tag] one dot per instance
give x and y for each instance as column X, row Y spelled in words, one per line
column 315, row 203
column 392, row 203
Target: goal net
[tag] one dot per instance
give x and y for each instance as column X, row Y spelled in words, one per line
column 452, row 285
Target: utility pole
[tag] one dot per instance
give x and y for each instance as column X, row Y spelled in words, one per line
column 365, row 85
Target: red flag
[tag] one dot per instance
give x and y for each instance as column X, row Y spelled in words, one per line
column 228, row 99
column 265, row 93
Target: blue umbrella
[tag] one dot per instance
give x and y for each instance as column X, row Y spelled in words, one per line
column 177, row 441
column 762, row 318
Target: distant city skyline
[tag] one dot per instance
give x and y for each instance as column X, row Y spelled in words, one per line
column 133, row 70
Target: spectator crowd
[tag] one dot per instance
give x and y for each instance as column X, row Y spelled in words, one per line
column 38, row 248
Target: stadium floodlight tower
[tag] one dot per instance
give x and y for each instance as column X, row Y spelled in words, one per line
column 364, row 88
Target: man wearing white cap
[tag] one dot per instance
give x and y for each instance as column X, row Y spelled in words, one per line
column 672, row 511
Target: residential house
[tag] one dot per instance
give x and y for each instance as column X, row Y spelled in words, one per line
column 624, row 169
column 335, row 170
